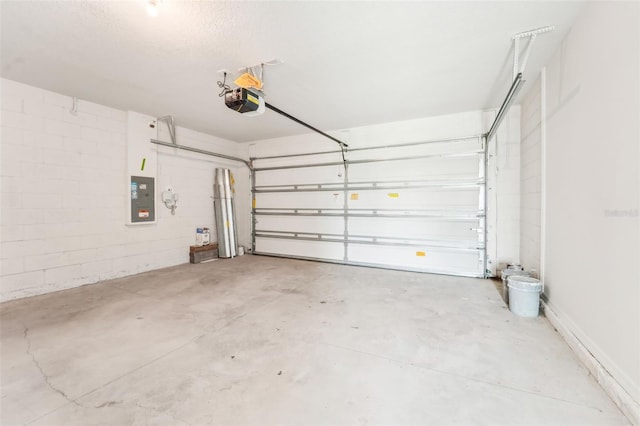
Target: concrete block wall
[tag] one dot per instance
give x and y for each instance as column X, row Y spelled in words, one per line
column 530, row 180
column 503, row 190
column 63, row 195
column 508, row 189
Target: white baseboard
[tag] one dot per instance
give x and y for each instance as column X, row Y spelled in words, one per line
column 620, row 397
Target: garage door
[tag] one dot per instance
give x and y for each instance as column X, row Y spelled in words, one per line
column 415, row 207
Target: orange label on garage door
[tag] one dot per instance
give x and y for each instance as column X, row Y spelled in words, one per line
column 421, row 254
column 393, row 195
column 354, row 196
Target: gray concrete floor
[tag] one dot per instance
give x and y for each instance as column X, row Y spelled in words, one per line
column 261, row 341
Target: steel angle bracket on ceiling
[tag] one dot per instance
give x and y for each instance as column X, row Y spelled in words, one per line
column 518, row 69
column 171, row 124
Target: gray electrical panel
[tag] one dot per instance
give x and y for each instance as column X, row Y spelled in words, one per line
column 142, row 199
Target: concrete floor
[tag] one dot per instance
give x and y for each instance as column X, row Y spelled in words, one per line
column 260, row 341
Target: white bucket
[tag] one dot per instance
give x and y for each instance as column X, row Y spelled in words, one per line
column 240, row 251
column 524, row 295
column 509, row 272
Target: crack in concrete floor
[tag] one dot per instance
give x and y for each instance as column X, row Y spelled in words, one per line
column 44, row 375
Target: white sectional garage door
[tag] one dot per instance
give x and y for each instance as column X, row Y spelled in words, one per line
column 416, row 207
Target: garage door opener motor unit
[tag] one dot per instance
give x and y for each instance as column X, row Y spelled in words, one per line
column 248, row 99
column 242, row 100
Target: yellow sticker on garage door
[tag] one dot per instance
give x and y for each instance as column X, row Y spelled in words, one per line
column 354, row 196
column 421, row 254
column 393, row 195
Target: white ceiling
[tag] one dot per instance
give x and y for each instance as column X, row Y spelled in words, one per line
column 347, row 64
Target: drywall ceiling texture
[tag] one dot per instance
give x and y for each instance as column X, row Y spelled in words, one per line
column 347, row 64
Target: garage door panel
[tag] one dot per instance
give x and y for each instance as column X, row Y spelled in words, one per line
column 409, row 199
column 417, row 169
column 300, row 200
column 301, row 224
column 417, row 228
column 416, row 258
column 301, row 176
column 300, row 248
column 298, row 160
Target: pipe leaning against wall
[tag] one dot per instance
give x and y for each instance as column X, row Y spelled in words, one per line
column 225, row 213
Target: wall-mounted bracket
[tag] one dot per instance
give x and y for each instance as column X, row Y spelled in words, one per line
column 171, row 124
column 170, row 199
column 518, row 66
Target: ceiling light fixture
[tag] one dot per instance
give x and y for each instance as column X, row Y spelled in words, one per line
column 152, row 7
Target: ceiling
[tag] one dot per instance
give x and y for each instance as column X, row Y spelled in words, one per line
column 346, row 63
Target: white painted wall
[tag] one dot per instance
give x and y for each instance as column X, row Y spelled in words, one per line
column 64, row 195
column 592, row 185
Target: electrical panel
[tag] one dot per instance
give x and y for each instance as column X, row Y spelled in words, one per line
column 142, row 199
